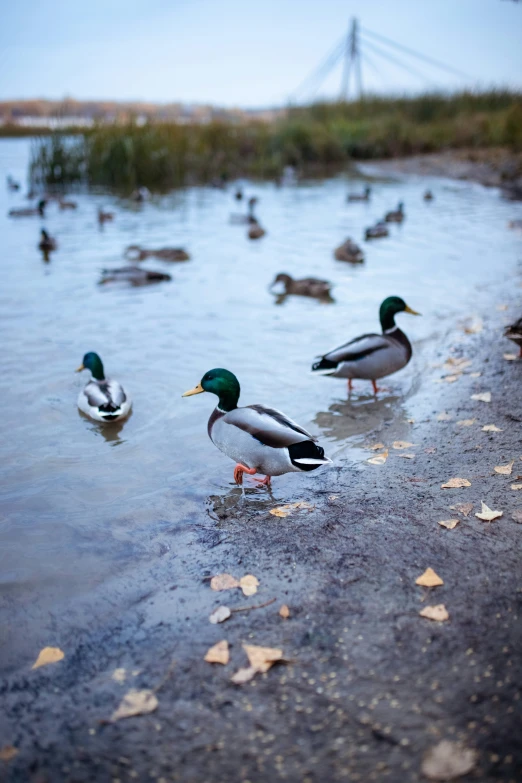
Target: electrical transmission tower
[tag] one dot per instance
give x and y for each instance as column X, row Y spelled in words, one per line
column 352, row 62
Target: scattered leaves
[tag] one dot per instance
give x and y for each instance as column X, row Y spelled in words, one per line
column 48, row 655
column 448, row 761
column 463, row 508
column 482, row 397
column 438, row 613
column 516, row 486
column 243, row 675
column 456, row 483
column 429, row 579
column 466, row 422
column 401, row 444
column 491, row 428
column 510, row 357
column 218, row 653
column 456, row 364
column 380, row 459
column 262, row 658
column 284, row 612
column 135, row 702
column 505, row 470
column 284, row 511
column 449, row 524
column 249, row 584
column 8, row 752
column 487, row 514
column 223, row 582
column 220, row 614
column 444, row 416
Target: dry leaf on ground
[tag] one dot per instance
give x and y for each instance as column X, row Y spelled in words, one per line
column 243, row 675
column 510, row 357
column 48, row 655
column 449, row 524
column 463, row 508
column 448, row 761
column 451, row 378
column 475, row 374
column 456, row 364
column 8, row 752
column 430, row 450
column 406, row 456
column 284, row 612
column 223, row 582
column 516, row 486
column 482, row 397
column 474, row 326
column 218, row 653
column 444, row 416
column 284, row 511
column 249, row 584
column 487, row 514
column 466, row 422
column 504, row 470
column 429, row 579
column 376, row 446
column 456, row 483
column 491, row 428
column 402, row 444
column 119, row 675
column 380, row 459
column 220, row 614
column 262, row 658
column 135, row 702
column 438, row 613
column 517, row 516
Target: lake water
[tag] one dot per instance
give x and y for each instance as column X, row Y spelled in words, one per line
column 80, row 502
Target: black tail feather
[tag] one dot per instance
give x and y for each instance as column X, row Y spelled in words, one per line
column 324, row 364
column 307, row 449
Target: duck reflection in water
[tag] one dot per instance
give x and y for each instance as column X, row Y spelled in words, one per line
column 110, row 431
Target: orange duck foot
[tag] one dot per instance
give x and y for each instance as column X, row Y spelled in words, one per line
column 266, row 481
column 239, row 470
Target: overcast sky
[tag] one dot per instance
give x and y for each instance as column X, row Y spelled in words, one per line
column 238, row 53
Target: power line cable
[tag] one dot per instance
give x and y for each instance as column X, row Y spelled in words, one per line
column 410, row 69
column 323, row 68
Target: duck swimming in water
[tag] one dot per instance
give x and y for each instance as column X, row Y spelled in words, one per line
column 365, row 196
column 371, row 356
column 285, row 285
column 47, row 243
column 137, row 253
column 350, row 252
column 30, row 211
column 377, row 231
column 135, row 275
column 259, row 439
column 396, row 215
column 102, row 399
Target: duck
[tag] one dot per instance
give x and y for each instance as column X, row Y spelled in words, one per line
column 514, row 333
column 238, row 195
column 249, row 217
column 285, row 285
column 371, row 356
column 259, row 439
column 256, row 231
column 140, row 195
column 102, row 399
column 135, row 275
column 377, row 231
column 47, row 242
column 364, row 196
column 428, row 195
column 396, row 215
column 349, row 251
column 12, row 184
column 29, row 211
column 137, row 253
column 104, row 217
column 67, row 204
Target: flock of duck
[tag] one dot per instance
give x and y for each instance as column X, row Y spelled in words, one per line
column 261, row 440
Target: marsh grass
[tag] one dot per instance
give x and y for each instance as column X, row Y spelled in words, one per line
column 323, row 135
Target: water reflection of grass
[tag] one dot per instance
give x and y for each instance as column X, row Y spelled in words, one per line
column 164, row 155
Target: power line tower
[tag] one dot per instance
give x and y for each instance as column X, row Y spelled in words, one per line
column 352, row 61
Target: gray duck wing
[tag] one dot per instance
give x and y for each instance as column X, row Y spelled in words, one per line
column 268, row 425
column 358, row 348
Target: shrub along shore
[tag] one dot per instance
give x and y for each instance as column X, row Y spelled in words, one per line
column 314, row 139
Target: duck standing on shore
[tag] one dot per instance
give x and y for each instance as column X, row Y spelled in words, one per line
column 259, row 439
column 102, row 399
column 371, row 356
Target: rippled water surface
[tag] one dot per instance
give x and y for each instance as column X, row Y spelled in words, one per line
column 77, row 499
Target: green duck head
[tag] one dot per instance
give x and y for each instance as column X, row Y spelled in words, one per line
column 223, row 384
column 389, row 309
column 91, row 361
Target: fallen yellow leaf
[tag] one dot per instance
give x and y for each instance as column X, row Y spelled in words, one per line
column 406, row 456
column 249, row 584
column 401, row 444
column 48, row 655
column 284, row 511
column 438, row 613
column 220, row 614
column 380, row 459
column 504, row 470
column 447, row 761
column 284, row 612
column 449, row 523
column 135, row 702
column 490, row 428
column 262, row 658
column 474, row 327
column 429, row 579
column 482, row 397
column 466, row 422
column 119, row 675
column 487, row 514
column 8, row 752
column 456, row 483
column 516, row 486
column 376, row 446
column 223, row 582
column 218, row 653
column 451, row 378
column 243, row 675
column 510, row 357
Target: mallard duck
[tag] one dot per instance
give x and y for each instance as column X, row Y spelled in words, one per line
column 514, row 333
column 140, row 195
column 104, row 217
column 377, row 231
column 256, row 231
column 364, row 196
column 135, row 275
column 102, row 399
column 47, row 243
column 349, row 251
column 137, row 253
column 371, row 356
column 428, row 195
column 396, row 215
column 29, row 211
column 285, row 285
column 259, row 439
column 67, row 204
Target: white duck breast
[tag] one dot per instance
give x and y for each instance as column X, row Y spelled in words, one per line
column 104, row 400
column 264, row 439
column 369, row 357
